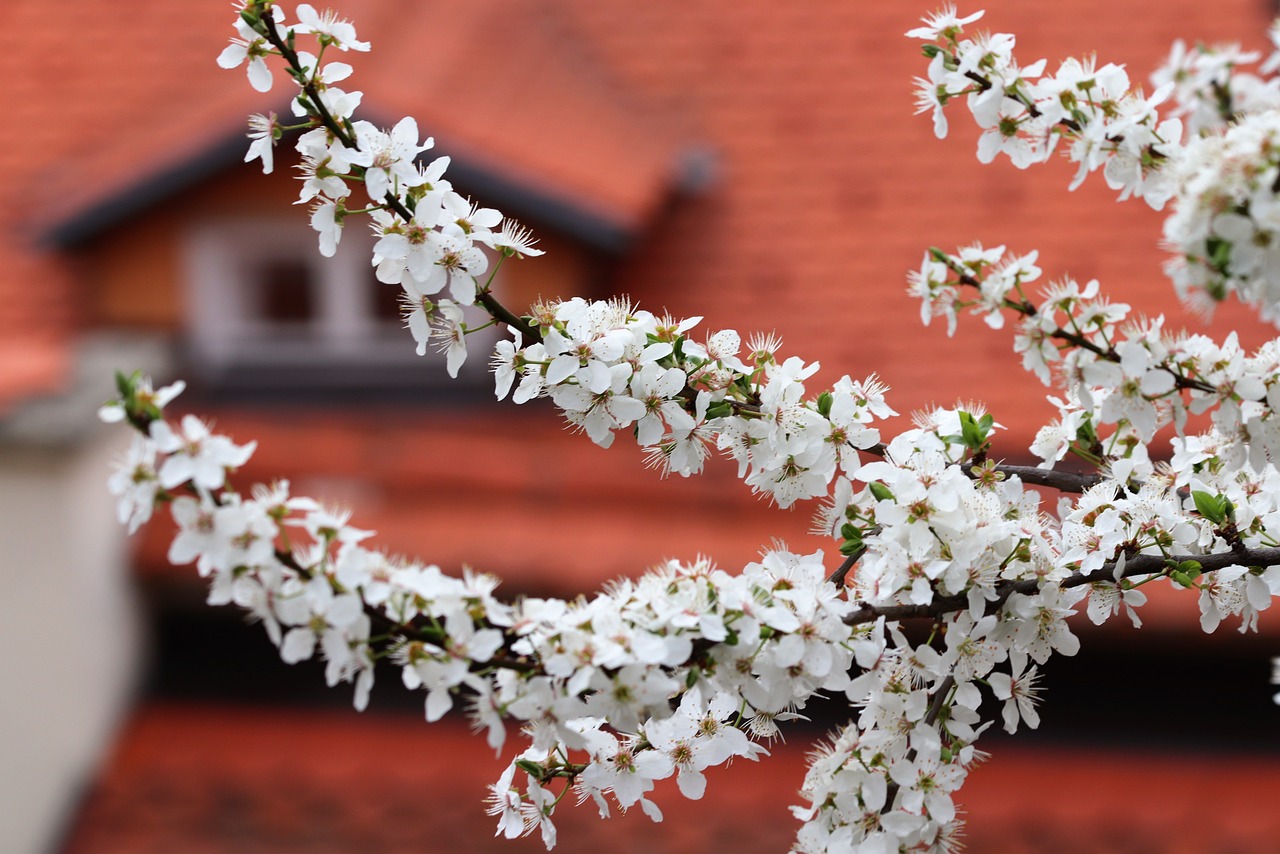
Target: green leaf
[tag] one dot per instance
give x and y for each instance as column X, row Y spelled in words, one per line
column 1210, row 506
column 970, row 433
column 880, row 491
column 532, row 768
column 1086, row 434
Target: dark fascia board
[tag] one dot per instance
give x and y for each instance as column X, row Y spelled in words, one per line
column 513, row 196
column 535, row 205
column 101, row 216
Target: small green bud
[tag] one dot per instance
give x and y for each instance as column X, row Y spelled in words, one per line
column 824, row 404
column 126, row 384
column 719, row 409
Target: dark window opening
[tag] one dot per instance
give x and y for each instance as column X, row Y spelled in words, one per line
column 286, row 292
column 388, row 304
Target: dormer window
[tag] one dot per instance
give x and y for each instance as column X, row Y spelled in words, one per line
column 268, row 313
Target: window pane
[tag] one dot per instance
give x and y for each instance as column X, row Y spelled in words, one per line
column 286, row 292
column 387, row 305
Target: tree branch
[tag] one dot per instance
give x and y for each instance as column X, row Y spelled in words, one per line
column 316, row 106
column 837, row 577
column 1135, row 565
column 1063, row 481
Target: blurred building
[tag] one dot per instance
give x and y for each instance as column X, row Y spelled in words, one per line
column 754, row 163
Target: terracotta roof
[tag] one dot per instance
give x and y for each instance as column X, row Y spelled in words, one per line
column 828, row 188
column 507, row 87
column 76, row 76
column 217, row 778
column 495, row 82
column 432, row 484
column 211, row 779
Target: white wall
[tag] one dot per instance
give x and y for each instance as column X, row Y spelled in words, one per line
column 70, row 633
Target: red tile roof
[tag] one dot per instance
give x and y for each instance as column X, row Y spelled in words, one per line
column 214, row 779
column 224, row 778
column 458, row 489
column 509, row 86
column 828, row 189
column 831, row 188
column 495, row 82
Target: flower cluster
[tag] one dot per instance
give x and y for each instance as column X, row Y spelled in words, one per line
column 1216, row 491
column 1221, row 168
column 1225, row 226
column 1209, row 88
column 930, row 530
column 1135, row 375
column 1025, row 114
column 431, row 240
column 689, row 666
column 592, row 681
column 609, row 366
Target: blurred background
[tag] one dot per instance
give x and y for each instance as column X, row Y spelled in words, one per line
column 756, row 163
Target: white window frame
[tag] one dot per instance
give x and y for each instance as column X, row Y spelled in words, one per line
column 227, row 333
